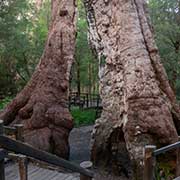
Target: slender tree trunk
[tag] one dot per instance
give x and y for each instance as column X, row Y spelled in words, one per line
column 78, row 77
column 42, row 106
column 93, row 79
column 89, row 78
column 139, row 105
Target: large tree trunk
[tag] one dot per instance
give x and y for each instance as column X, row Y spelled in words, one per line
column 42, row 106
column 138, row 103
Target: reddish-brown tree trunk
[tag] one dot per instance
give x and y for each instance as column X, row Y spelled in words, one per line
column 138, row 103
column 42, row 106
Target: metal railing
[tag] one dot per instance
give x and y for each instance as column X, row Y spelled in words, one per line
column 150, row 153
column 16, row 146
column 84, row 100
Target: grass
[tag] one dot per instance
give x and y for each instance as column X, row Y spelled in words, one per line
column 164, row 171
column 83, row 117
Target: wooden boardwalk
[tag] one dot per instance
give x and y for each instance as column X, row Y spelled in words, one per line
column 37, row 173
column 80, row 151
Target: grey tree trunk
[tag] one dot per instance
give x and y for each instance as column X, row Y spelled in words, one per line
column 139, row 106
column 42, row 106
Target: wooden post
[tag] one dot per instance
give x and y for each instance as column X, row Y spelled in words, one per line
column 86, row 165
column 2, row 170
column 22, row 160
column 178, row 161
column 19, row 132
column 149, row 162
column 1, row 127
column 23, row 167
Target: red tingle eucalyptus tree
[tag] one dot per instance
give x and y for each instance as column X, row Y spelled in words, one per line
column 42, row 106
column 139, row 106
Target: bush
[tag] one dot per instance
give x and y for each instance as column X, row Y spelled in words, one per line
column 83, row 117
column 5, row 101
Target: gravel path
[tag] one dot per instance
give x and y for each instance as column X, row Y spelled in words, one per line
column 80, row 150
column 80, row 144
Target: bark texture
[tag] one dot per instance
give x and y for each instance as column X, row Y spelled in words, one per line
column 138, row 104
column 42, row 106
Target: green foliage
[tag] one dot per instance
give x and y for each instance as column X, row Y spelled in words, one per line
column 5, row 101
column 164, row 170
column 22, row 37
column 13, row 22
column 83, row 117
column 165, row 15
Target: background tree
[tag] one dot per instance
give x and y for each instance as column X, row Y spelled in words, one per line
column 85, row 69
column 22, row 37
column 165, row 16
column 15, row 24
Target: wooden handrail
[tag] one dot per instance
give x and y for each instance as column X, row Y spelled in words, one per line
column 22, row 148
column 166, row 148
column 3, row 154
column 150, row 153
column 10, row 130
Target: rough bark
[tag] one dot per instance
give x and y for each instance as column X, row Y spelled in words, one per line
column 42, row 106
column 139, row 105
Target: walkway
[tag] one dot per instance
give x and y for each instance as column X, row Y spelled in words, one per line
column 37, row 173
column 80, row 151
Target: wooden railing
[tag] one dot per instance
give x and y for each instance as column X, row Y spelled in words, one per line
column 7, row 144
column 150, row 153
column 16, row 132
